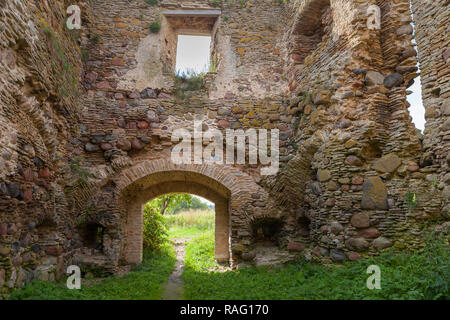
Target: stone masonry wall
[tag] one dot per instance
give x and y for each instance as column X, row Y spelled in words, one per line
column 356, row 146
column 432, row 30
column 87, row 119
column 125, row 125
column 39, row 107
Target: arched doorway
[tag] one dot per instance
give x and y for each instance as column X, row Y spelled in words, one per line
column 237, row 196
column 165, row 182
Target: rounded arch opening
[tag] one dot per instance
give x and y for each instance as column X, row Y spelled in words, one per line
column 137, row 194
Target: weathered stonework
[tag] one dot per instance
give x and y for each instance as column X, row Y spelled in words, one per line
column 87, row 119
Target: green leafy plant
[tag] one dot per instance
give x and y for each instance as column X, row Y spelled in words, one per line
column 152, row 2
column 155, row 27
column 411, row 200
column 194, row 203
column 170, row 203
column 200, row 252
column 155, row 231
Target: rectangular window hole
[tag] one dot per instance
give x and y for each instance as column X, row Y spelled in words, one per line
column 193, row 55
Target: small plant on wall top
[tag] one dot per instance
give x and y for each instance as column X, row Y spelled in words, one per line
column 187, row 83
column 152, row 2
column 155, row 27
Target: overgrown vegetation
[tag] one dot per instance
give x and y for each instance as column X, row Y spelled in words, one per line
column 170, row 203
column 420, row 274
column 188, row 224
column 175, row 215
column 200, row 255
column 188, row 83
column 67, row 79
column 143, row 283
column 408, row 275
column 155, row 231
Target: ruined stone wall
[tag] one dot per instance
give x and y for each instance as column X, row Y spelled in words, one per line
column 125, row 125
column 432, row 36
column 357, row 148
column 39, row 108
column 78, row 157
column 144, row 59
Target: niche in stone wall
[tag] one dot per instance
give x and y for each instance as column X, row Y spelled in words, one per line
column 48, row 239
column 313, row 26
column 47, row 232
column 371, row 150
column 304, row 226
column 266, row 231
column 303, row 222
column 91, row 234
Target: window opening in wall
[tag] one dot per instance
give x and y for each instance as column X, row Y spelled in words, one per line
column 193, row 55
column 416, row 109
column 92, row 235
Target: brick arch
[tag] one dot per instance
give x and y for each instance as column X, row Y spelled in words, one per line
column 223, row 177
column 230, row 189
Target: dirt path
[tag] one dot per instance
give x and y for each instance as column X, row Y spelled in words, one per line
column 174, row 289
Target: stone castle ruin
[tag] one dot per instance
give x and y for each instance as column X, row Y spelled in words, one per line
column 87, row 116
